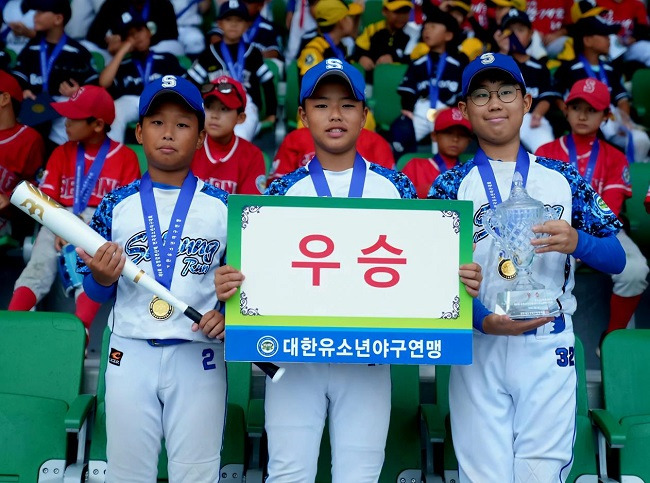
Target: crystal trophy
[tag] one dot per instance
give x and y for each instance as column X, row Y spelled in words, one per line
column 511, row 223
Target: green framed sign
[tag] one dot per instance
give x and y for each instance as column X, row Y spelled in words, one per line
column 349, row 280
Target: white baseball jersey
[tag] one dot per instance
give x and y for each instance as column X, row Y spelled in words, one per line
column 119, row 218
column 513, row 409
column 296, row 406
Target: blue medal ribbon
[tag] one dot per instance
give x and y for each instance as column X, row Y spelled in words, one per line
column 145, row 72
column 356, row 183
column 602, row 75
column 163, row 251
column 250, row 34
column 440, row 162
column 338, row 53
column 434, row 90
column 487, row 174
column 186, row 8
column 236, row 69
column 85, row 185
column 48, row 62
column 573, row 157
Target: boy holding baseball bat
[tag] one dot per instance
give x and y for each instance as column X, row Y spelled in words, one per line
column 78, row 175
column 166, row 376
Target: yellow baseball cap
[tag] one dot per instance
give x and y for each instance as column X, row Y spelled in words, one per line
column 328, row 12
column 393, row 5
column 518, row 4
column 584, row 9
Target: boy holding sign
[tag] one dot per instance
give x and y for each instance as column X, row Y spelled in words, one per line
column 499, row 414
column 333, row 109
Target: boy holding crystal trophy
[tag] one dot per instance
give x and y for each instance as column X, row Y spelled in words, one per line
column 533, row 218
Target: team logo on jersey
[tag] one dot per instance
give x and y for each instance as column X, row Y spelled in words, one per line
column 267, row 346
column 626, row 175
column 602, row 206
column 260, row 182
column 115, row 357
column 487, row 58
column 197, row 254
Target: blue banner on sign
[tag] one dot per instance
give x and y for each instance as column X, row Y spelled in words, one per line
column 351, row 346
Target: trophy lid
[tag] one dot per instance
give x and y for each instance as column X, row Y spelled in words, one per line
column 519, row 198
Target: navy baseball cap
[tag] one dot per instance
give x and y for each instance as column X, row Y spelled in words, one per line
column 333, row 67
column 233, row 8
column 171, row 84
column 488, row 61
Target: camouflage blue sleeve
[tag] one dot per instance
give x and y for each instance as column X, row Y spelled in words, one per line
column 589, row 212
column 400, row 181
column 280, row 186
column 446, row 185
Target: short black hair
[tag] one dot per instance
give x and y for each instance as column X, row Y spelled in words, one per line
column 172, row 97
column 492, row 75
column 107, row 127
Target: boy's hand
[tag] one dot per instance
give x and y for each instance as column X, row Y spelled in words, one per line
column 471, row 276
column 27, row 94
column 212, row 324
column 21, row 30
column 113, row 43
column 226, row 281
column 4, row 201
column 366, row 62
column 59, row 243
column 271, row 119
column 68, row 88
column 107, row 264
column 385, row 59
column 563, row 237
column 503, row 41
column 408, row 114
column 535, row 120
column 503, row 325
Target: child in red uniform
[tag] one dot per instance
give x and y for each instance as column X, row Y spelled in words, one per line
column 607, row 170
column 103, row 166
column 21, row 147
column 227, row 161
column 452, row 132
column 298, row 148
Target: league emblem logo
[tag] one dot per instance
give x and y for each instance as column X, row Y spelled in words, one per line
column 267, row 346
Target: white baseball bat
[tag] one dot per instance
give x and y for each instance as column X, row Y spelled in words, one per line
column 29, row 199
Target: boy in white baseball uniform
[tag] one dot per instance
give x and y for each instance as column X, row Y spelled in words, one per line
column 333, row 109
column 166, row 376
column 513, row 409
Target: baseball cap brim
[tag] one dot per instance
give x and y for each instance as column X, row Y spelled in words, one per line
column 397, row 4
column 358, row 95
column 70, row 110
column 145, row 110
column 491, row 61
column 355, row 9
column 576, row 96
column 231, row 102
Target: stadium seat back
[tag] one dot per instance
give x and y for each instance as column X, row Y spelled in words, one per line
column 405, row 158
column 388, row 103
column 641, row 95
column 292, row 95
column 371, row 13
column 142, row 159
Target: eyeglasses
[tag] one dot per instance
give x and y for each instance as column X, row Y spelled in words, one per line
column 506, row 93
column 223, row 87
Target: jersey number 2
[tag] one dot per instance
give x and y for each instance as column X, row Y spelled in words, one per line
column 208, row 357
column 565, row 356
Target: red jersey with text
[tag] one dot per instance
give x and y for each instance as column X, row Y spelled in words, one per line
column 423, row 171
column 120, row 168
column 298, row 148
column 625, row 13
column 236, row 168
column 611, row 178
column 549, row 16
column 22, row 153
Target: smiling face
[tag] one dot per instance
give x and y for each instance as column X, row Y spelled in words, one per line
column 584, row 119
column 496, row 122
column 170, row 135
column 333, row 116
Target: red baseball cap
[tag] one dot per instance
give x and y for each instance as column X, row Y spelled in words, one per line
column 449, row 118
column 592, row 91
column 230, row 92
column 89, row 101
column 8, row 83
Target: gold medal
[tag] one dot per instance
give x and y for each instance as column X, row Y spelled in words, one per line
column 506, row 269
column 159, row 309
column 431, row 114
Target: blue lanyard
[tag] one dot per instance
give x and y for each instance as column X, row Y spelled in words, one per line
column 84, row 185
column 48, row 63
column 356, row 183
column 338, row 53
column 250, row 34
column 163, row 263
column 434, row 91
column 145, row 72
column 593, row 157
column 144, row 15
column 187, row 7
column 236, row 69
column 487, row 174
column 440, row 162
column 602, row 75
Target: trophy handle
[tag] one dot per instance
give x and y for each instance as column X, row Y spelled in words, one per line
column 550, row 214
column 488, row 216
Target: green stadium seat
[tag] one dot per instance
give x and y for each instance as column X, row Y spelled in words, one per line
column 184, row 61
column 43, row 416
column 624, row 424
column 142, row 159
column 388, row 103
column 292, row 95
column 372, row 13
column 634, row 209
column 98, row 61
column 275, row 69
column 13, row 56
column 405, row 158
column 641, row 95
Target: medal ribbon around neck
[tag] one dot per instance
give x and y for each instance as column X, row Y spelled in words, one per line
column 163, row 252
column 84, row 185
column 434, row 90
column 236, row 69
column 145, row 72
column 338, row 53
column 487, row 174
column 356, row 183
column 440, row 162
column 602, row 75
column 48, row 62
column 573, row 157
column 250, row 34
